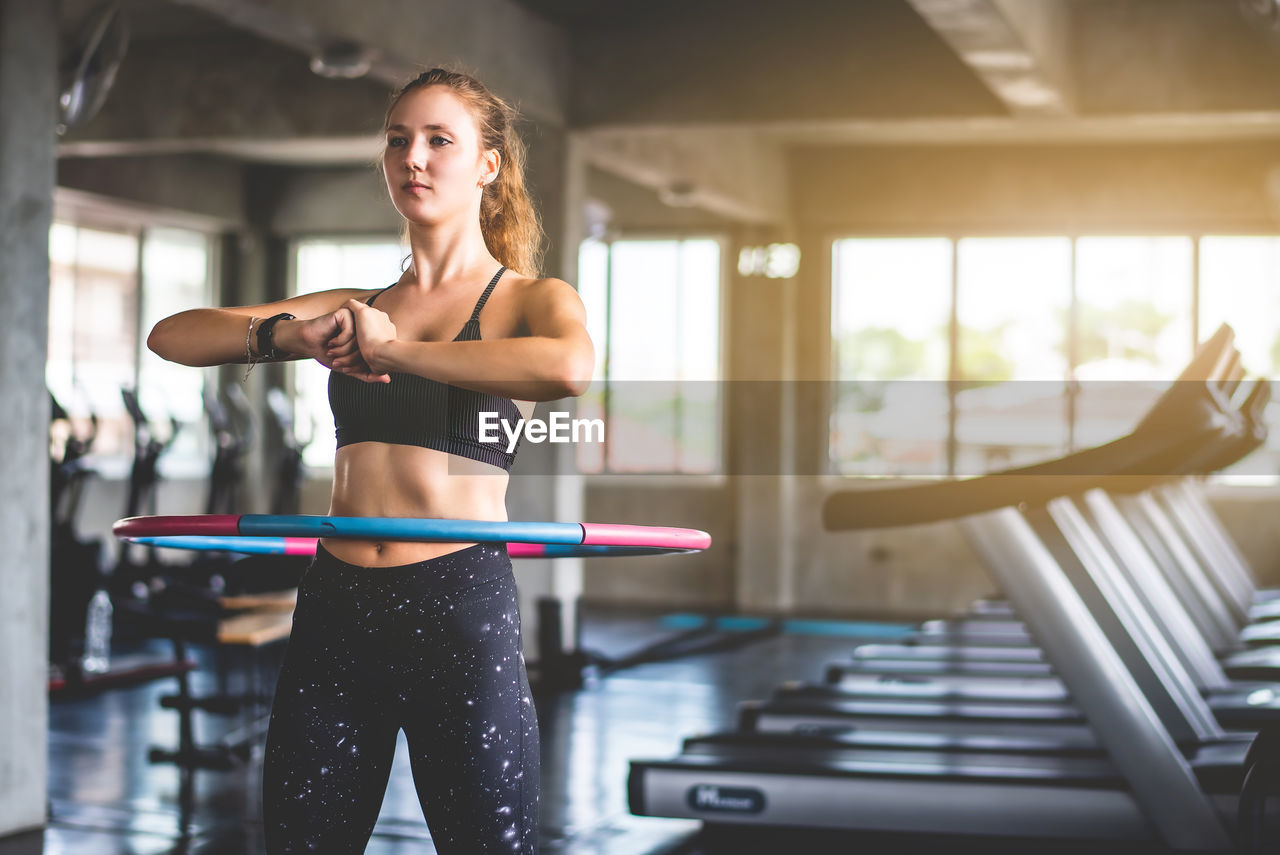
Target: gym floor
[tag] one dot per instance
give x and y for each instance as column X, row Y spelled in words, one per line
column 105, row 798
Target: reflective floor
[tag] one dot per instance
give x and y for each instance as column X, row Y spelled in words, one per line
column 105, row 797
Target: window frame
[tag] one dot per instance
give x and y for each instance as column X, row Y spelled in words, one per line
column 74, row 211
column 671, row 477
column 292, row 244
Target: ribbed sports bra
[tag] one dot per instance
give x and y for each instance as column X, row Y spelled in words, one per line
column 413, row 410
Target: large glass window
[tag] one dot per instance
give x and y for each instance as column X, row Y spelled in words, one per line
column 107, row 288
column 93, row 328
column 891, row 311
column 321, row 265
column 175, row 277
column 1240, row 286
column 1012, row 312
column 653, row 311
column 1133, row 328
column 1051, row 344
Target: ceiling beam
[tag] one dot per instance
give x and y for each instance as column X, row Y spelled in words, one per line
column 730, row 174
column 200, row 94
column 1019, row 48
column 520, row 56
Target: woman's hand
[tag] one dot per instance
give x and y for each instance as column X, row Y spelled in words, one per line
column 330, row 340
column 372, row 330
column 311, row 337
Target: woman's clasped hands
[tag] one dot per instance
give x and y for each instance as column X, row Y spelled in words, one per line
column 345, row 340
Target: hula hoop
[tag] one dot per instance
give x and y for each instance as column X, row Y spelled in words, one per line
column 269, row 534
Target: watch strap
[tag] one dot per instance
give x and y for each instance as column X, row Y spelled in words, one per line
column 266, row 345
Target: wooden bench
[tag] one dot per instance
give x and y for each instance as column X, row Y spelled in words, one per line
column 256, row 628
column 271, row 600
column 266, row 619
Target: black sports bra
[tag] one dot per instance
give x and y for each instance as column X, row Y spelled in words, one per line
column 413, row 410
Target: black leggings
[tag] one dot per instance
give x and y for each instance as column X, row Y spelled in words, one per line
column 433, row 648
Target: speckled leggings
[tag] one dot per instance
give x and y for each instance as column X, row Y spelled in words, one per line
column 433, row 648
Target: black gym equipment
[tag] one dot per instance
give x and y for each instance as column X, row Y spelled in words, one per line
column 75, row 562
column 185, row 602
column 290, row 471
column 77, row 570
column 231, row 428
column 131, row 576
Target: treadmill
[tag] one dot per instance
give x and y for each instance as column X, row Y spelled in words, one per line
column 954, row 688
column 993, row 633
column 999, row 656
column 1212, row 577
column 979, row 784
column 1142, row 786
column 991, row 647
column 965, row 701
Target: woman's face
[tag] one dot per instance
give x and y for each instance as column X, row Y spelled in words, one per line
column 433, row 162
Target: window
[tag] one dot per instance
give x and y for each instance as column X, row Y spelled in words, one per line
column 891, row 309
column 1013, row 299
column 175, row 277
column 1133, row 328
column 1240, row 285
column 1050, row 343
column 97, row 331
column 322, row 265
column 653, row 312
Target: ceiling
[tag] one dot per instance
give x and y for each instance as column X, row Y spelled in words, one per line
column 696, row 82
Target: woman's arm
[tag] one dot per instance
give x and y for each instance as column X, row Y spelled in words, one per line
column 201, row 337
column 555, row 360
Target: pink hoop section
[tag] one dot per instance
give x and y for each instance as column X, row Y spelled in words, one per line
column 300, row 545
column 212, row 525
column 643, row 535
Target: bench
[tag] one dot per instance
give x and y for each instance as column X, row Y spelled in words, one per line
column 261, row 620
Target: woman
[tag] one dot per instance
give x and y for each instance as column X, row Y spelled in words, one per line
column 419, row 636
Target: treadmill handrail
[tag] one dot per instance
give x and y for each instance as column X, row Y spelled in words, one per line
column 1130, row 463
column 1252, row 436
column 1194, row 413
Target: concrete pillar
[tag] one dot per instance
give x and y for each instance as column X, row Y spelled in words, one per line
column 248, row 272
column 261, row 276
column 28, row 117
column 545, row 484
column 762, row 425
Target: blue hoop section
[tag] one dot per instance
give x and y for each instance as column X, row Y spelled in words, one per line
column 401, row 528
column 267, row 534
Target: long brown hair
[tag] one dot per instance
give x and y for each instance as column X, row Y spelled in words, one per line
column 508, row 220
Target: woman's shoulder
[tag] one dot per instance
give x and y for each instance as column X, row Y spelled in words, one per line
column 547, row 302
column 540, row 288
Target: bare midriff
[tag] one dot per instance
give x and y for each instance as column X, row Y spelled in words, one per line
column 378, row 479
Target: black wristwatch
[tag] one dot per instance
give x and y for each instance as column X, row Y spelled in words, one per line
column 267, row 347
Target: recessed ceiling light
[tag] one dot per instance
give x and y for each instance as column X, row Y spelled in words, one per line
column 342, row 59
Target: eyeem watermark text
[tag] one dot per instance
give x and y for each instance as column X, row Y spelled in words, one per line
column 559, row 428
